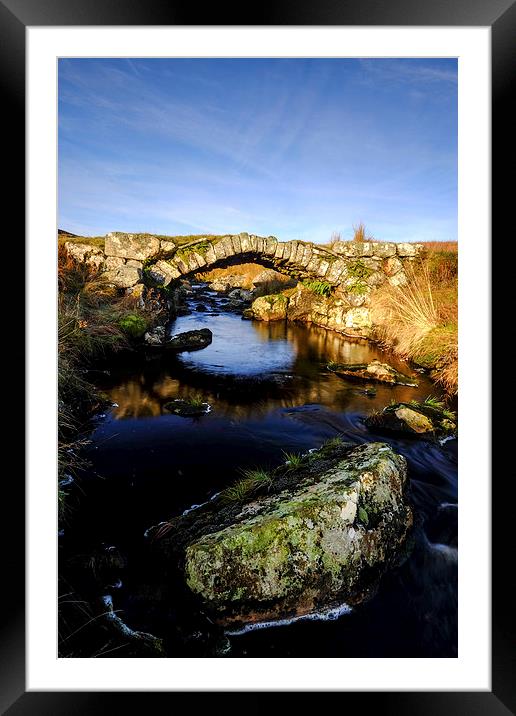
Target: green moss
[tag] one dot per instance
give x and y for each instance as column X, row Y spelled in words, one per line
column 303, row 545
column 94, row 241
column 358, row 288
column 275, row 299
column 201, row 248
column 133, row 325
column 320, row 288
column 433, row 408
column 357, row 269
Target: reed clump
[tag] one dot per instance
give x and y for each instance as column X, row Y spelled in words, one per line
column 419, row 321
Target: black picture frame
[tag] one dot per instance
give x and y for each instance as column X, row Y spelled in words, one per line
column 500, row 16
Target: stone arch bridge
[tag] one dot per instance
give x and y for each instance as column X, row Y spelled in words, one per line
column 164, row 261
column 349, row 271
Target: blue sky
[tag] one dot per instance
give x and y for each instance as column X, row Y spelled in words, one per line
column 296, row 148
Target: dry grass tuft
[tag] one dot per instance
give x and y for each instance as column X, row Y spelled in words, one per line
column 420, row 321
column 359, row 233
column 440, row 246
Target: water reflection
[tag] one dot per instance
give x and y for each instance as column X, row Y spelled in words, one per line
column 252, row 368
column 270, row 392
column 257, row 347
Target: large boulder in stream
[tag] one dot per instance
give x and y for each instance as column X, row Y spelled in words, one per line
column 374, row 371
column 318, row 535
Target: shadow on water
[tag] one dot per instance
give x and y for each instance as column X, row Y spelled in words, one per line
column 270, row 392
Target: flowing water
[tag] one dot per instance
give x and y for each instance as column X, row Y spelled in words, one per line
column 269, row 392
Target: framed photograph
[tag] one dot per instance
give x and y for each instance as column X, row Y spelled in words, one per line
column 253, row 249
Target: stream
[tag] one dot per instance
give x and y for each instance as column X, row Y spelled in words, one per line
column 269, row 392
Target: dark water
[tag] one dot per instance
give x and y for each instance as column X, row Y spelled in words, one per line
column 269, row 392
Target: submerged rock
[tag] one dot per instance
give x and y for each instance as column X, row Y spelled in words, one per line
column 325, row 539
column 414, row 419
column 187, row 408
column 190, row 340
column 374, row 371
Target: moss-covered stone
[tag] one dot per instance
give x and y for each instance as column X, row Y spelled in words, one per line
column 289, row 553
column 429, row 418
column 270, row 308
column 358, row 270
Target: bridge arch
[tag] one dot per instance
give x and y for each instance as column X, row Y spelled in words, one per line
column 370, row 262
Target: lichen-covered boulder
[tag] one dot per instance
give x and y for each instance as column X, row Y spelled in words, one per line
column 385, row 250
column 353, row 248
column 373, row 371
column 167, row 247
column 133, row 325
column 112, row 263
column 123, row 277
column 426, row 419
column 131, row 246
column 326, row 541
column 270, row 308
column 85, row 253
column 161, row 273
column 409, row 249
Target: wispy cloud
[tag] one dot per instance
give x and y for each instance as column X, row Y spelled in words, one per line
column 411, row 72
column 295, row 148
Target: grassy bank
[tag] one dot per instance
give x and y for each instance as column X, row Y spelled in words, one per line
column 420, row 321
column 94, row 321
